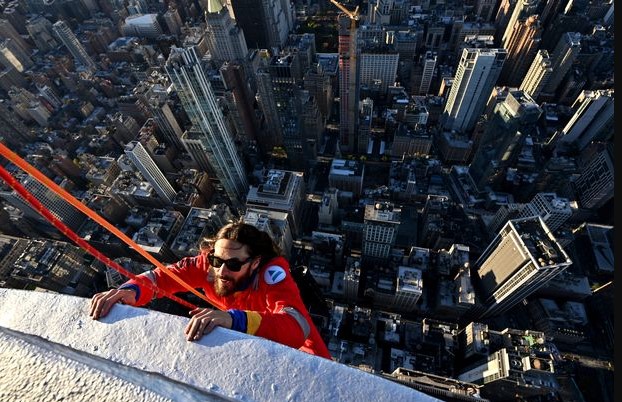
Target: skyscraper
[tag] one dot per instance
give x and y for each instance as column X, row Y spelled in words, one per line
column 522, row 45
column 429, row 64
column 562, row 58
column 521, row 11
column 475, row 78
column 168, row 126
column 348, row 80
column 60, row 208
column 594, row 187
column 503, row 137
column 266, row 23
column 65, row 34
column 592, row 120
column 520, row 259
column 11, row 55
column 538, row 75
column 208, row 141
column 553, row 210
column 225, row 39
column 150, row 171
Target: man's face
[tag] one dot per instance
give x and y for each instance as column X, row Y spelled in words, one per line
column 225, row 280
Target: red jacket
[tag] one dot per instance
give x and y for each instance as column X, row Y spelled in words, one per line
column 269, row 306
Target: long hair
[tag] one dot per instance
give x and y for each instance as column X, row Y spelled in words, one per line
column 258, row 242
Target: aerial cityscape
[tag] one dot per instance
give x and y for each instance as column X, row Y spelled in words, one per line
column 438, row 173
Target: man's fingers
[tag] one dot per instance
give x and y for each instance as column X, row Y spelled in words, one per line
column 209, row 327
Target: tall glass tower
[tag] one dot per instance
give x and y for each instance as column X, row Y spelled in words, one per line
column 208, row 141
column 71, row 42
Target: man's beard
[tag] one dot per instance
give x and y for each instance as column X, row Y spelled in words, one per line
column 224, row 285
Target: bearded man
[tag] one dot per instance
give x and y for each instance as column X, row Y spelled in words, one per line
column 242, row 271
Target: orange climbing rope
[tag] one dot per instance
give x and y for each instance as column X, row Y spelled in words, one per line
column 18, row 161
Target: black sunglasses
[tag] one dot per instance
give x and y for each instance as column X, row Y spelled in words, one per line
column 233, row 264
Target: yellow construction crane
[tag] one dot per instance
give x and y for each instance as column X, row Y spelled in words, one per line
column 354, row 15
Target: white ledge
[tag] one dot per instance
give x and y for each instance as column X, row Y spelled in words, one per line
column 140, row 354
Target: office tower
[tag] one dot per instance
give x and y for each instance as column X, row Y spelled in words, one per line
column 538, row 75
column 137, row 7
column 225, row 39
column 381, row 223
column 365, row 142
column 553, row 210
column 312, row 127
column 10, row 77
column 208, row 141
column 521, row 11
column 275, row 223
column 319, row 85
column 520, row 259
column 349, row 66
column 562, row 58
column 286, row 77
column 387, row 12
column 65, row 34
column 304, row 46
column 60, row 208
column 142, row 25
column 50, row 96
column 172, row 19
column 408, row 289
column 40, row 31
column 594, row 186
column 160, row 108
column 592, row 120
column 521, row 46
column 11, row 55
column 429, row 64
column 475, row 78
column 378, row 69
column 266, row 23
column 150, row 171
column 280, row 191
column 351, row 279
column 503, row 137
column 328, row 209
column 12, row 130
column 240, row 100
column 347, row 175
column 7, row 30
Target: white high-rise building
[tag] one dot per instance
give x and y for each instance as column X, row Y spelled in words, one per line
column 429, row 64
column 538, row 74
column 150, row 171
column 209, row 140
column 593, row 118
column 521, row 258
column 475, row 78
column 379, row 67
column 65, row 34
column 553, row 210
column 142, row 25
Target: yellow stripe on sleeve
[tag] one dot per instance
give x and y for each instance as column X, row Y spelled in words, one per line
column 253, row 320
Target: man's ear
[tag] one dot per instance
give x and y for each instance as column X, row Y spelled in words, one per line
column 256, row 263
